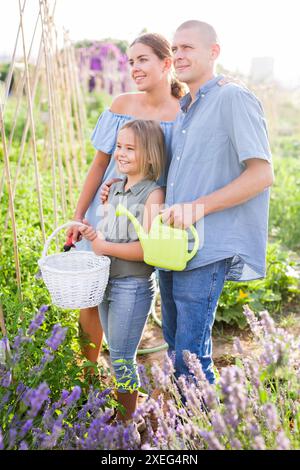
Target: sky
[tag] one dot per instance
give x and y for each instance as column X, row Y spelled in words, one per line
column 246, row 28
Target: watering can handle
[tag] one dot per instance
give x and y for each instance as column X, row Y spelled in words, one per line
column 58, row 229
column 191, row 254
column 196, row 242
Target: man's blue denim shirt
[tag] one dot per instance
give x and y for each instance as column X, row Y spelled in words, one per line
column 211, row 141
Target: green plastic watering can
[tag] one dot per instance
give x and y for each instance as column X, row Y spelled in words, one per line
column 164, row 246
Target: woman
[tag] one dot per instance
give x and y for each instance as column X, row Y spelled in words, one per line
column 140, row 157
column 150, row 59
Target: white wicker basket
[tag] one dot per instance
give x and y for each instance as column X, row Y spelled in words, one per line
column 76, row 279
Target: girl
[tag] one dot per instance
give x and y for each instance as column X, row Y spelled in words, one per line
column 150, row 59
column 140, row 156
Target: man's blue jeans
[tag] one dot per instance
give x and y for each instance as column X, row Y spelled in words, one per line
column 189, row 300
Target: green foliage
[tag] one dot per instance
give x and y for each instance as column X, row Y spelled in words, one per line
column 95, row 104
column 285, row 198
column 279, row 286
column 21, row 119
column 4, row 69
column 286, row 146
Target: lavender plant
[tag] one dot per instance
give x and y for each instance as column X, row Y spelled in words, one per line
column 254, row 404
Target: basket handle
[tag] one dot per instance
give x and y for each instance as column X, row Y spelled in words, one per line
column 58, row 229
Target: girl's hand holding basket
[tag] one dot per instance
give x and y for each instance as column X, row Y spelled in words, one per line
column 96, row 238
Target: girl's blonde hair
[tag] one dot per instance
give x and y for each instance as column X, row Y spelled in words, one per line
column 150, row 141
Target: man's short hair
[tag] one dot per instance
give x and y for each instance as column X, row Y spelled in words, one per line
column 207, row 32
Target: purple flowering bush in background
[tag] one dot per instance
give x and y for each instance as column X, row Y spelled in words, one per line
column 254, row 405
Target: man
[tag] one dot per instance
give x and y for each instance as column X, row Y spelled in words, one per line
column 218, row 179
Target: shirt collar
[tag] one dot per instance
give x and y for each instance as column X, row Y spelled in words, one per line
column 135, row 189
column 186, row 100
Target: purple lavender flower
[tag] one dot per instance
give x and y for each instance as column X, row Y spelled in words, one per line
column 12, row 437
column 61, row 401
column 194, row 365
column 252, row 372
column 267, row 323
column 271, row 415
column 282, row 442
column 6, row 379
column 252, row 321
column 259, row 443
column 237, row 346
column 144, row 378
column 74, row 396
column 218, row 424
column 236, row 444
column 160, row 377
column 231, row 416
column 5, row 399
column 19, row 338
column 2, row 351
column 57, row 337
column 50, row 440
column 23, row 446
column 26, row 427
column 211, row 440
column 252, row 428
column 1, row 440
column 47, row 357
column 21, row 388
column 38, row 320
column 36, row 398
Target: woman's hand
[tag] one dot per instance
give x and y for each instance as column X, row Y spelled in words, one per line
column 106, row 188
column 73, row 232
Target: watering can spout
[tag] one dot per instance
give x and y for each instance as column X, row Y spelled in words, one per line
column 121, row 210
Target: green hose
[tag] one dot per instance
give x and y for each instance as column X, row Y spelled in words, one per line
column 158, row 322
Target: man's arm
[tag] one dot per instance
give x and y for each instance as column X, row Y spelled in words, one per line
column 257, row 176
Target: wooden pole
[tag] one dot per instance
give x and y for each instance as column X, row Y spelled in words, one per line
column 64, row 146
column 55, row 99
column 11, row 66
column 11, row 203
column 2, row 322
column 45, row 42
column 69, row 121
column 19, row 94
column 36, row 168
column 81, row 123
column 22, row 147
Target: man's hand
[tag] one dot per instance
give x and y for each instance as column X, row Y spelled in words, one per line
column 104, row 192
column 183, row 215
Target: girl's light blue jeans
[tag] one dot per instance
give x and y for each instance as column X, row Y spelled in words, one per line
column 123, row 314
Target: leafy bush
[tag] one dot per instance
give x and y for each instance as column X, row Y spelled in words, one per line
column 279, row 286
column 95, row 104
column 285, row 202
